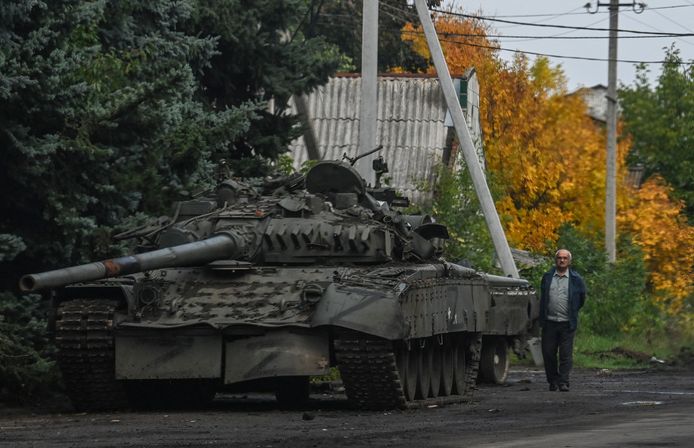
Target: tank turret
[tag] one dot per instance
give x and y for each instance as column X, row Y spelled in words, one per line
column 335, row 221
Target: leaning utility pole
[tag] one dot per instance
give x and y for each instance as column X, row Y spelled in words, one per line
column 503, row 251
column 611, row 174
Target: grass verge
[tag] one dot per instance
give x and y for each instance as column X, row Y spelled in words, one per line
column 628, row 351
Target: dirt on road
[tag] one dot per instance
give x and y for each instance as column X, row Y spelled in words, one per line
column 653, row 407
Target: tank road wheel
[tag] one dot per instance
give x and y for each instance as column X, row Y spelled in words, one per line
column 435, row 354
column 406, row 364
column 410, row 386
column 459, row 364
column 401, row 360
column 293, row 391
column 473, row 348
column 423, row 369
column 494, row 360
column 447, row 366
column 86, row 354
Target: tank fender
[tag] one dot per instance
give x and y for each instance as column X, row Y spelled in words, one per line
column 123, row 293
column 370, row 311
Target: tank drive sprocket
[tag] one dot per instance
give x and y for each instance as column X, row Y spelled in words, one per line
column 86, row 353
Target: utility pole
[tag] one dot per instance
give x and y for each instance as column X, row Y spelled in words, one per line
column 503, row 251
column 368, row 112
column 611, row 174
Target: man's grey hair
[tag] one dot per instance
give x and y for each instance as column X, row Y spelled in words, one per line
column 566, row 250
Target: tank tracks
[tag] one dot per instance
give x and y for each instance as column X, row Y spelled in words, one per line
column 373, row 379
column 86, row 354
column 369, row 367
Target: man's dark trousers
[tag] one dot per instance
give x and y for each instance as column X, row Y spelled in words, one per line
column 558, row 336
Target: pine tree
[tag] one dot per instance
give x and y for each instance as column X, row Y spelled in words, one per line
column 660, row 120
column 99, row 120
column 262, row 57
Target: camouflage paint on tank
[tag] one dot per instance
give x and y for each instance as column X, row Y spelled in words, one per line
column 262, row 281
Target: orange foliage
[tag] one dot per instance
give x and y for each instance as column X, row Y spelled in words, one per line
column 667, row 241
column 452, row 32
column 545, row 151
column 548, row 158
column 541, row 147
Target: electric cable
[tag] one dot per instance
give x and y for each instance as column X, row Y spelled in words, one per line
column 572, row 13
column 491, row 19
column 403, row 16
column 652, row 27
column 549, row 55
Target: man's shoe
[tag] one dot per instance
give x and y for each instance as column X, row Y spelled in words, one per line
column 552, row 387
column 563, row 387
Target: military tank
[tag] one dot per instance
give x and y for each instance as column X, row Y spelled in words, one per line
column 263, row 286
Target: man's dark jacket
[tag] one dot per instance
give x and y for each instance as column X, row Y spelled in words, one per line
column 577, row 296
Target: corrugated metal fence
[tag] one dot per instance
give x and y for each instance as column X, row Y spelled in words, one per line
column 411, row 116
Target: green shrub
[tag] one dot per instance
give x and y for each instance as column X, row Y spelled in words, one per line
column 456, row 206
column 26, row 365
column 617, row 301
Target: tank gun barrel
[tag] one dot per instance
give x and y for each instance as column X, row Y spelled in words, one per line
column 220, row 246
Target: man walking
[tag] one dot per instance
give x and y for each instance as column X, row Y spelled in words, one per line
column 562, row 294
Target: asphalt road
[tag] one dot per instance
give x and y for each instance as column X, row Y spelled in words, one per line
column 604, row 409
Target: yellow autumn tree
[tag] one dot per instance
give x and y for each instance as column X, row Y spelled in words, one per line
column 548, row 158
column 541, row 147
column 546, row 152
column 659, row 227
column 464, row 43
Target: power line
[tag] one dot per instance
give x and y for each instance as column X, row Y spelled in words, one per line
column 573, row 31
column 555, row 37
column 407, row 15
column 412, row 17
column 571, row 13
column 404, row 14
column 555, row 15
column 584, row 28
column 549, row 55
column 653, row 28
column 673, row 21
column 532, row 53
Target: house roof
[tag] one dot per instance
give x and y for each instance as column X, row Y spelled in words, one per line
column 595, row 98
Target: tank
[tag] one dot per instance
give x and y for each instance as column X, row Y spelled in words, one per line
column 264, row 285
